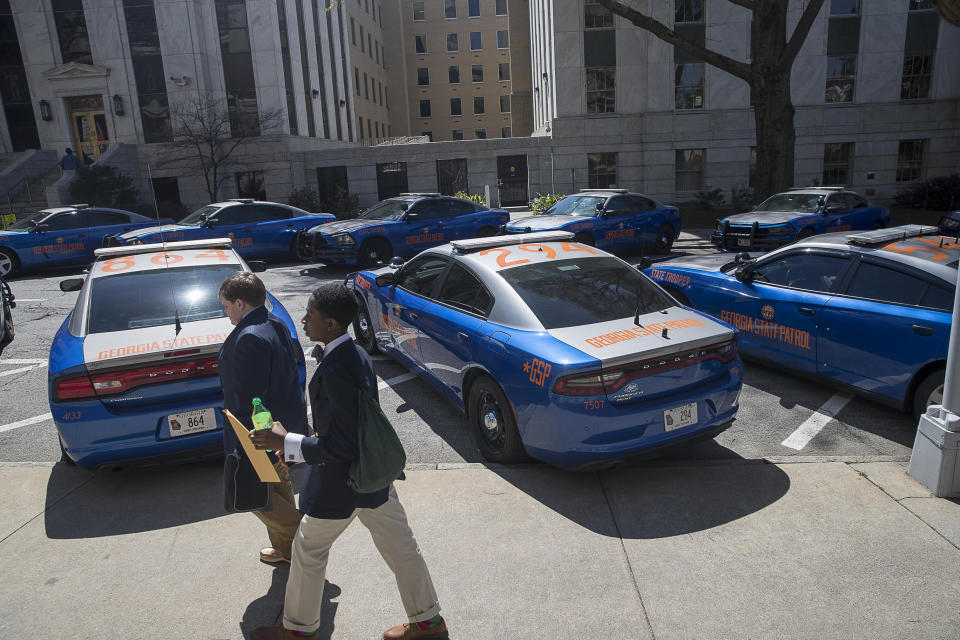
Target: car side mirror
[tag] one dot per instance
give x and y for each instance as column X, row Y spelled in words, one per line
column 396, row 262
column 385, row 279
column 742, row 258
column 644, row 263
column 412, row 216
column 404, row 206
column 834, row 208
column 41, row 228
column 209, row 223
column 743, row 273
column 257, row 266
column 71, row 284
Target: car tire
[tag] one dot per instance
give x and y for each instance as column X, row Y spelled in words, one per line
column 363, row 328
column 486, row 232
column 805, row 233
column 584, row 238
column 929, row 391
column 63, row 454
column 9, row 263
column 491, row 419
column 665, row 238
column 373, row 252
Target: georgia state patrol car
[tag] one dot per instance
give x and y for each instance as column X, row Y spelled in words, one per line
column 869, row 310
column 133, row 369
column 258, row 229
column 798, row 213
column 62, row 236
column 611, row 219
column 400, row 226
column 554, row 348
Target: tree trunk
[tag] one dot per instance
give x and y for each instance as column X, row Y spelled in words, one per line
column 773, row 117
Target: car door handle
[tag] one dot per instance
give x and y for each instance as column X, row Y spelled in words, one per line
column 462, row 336
column 806, row 311
column 922, row 331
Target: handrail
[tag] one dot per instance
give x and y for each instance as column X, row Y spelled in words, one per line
column 12, row 191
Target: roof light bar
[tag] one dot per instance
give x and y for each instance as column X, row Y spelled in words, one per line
column 604, row 190
column 130, row 250
column 427, row 194
column 819, row 187
column 879, row 236
column 462, row 246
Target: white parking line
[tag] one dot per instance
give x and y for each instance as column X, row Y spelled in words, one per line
column 22, row 369
column 389, row 382
column 26, row 422
column 24, row 361
column 31, row 299
column 815, row 423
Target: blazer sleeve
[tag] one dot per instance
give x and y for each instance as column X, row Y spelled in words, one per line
column 342, row 441
column 252, row 361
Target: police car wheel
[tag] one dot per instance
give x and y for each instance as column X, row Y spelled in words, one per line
column 63, row 454
column 584, row 238
column 363, row 329
column 664, row 239
column 929, row 392
column 374, row 251
column 494, row 427
column 8, row 263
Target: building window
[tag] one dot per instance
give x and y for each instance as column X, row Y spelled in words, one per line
column 250, row 185
column 836, row 163
column 241, row 88
column 476, row 41
column 453, row 74
column 456, row 108
column 752, row 179
column 909, row 160
column 386, row 97
column 356, row 80
column 844, row 7
column 503, row 39
column 380, row 90
column 360, row 125
column 501, row 7
column 424, row 108
column 370, row 45
column 476, row 73
column 453, row 44
column 14, row 90
column 452, row 176
column 423, row 76
column 353, row 31
column 689, row 169
column 72, row 31
column 473, row 8
column 601, row 92
column 366, row 87
column 504, row 104
column 420, row 43
column 915, row 82
column 843, row 45
column 480, row 134
column 503, row 70
column 419, row 15
column 457, row 134
column 688, row 87
column 151, row 84
column 688, row 11
column 923, row 26
column 478, row 105
column 376, row 128
column 505, row 132
column 362, row 45
column 376, row 47
column 428, row 134
column 331, row 186
column 841, row 78
column 601, row 170
column 369, row 129
column 596, row 16
column 450, row 9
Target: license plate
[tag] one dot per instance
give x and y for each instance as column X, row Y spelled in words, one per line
column 188, row 422
column 680, row 417
column 743, row 242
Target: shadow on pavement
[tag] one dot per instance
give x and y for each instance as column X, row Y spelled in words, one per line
column 267, row 610
column 116, row 503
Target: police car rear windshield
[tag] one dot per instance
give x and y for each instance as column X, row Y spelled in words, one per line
column 576, row 206
column 793, row 202
column 577, row 291
column 145, row 298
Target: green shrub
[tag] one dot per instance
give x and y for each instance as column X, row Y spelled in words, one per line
column 710, row 198
column 103, row 186
column 473, row 197
column 940, row 194
column 741, row 197
column 544, row 201
column 305, row 199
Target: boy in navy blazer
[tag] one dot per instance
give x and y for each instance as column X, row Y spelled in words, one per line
column 259, row 360
column 328, row 503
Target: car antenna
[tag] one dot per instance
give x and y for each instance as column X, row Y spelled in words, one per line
column 166, row 266
column 636, row 315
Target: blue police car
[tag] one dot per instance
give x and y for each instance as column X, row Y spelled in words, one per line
column 133, row 376
column 401, row 226
column 611, row 219
column 870, row 310
column 798, row 213
column 553, row 348
column 258, row 229
column 62, row 236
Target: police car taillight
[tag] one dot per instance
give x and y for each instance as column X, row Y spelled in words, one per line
column 122, row 381
column 73, row 388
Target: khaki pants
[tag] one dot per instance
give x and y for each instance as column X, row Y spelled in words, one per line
column 282, row 521
column 394, row 540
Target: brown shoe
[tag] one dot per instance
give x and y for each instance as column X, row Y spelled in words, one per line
column 271, row 555
column 412, row 631
column 272, row 633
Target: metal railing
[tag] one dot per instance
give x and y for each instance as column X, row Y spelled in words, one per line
column 24, row 186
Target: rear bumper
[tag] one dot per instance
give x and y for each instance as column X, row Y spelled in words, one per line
column 313, row 247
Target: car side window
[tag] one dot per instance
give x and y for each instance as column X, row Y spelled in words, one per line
column 267, row 213
column 457, row 208
column 104, row 218
column 937, row 297
column 227, row 215
column 875, row 282
column 420, row 275
column 463, row 290
column 810, row 272
column 619, row 205
column 837, row 201
column 431, row 209
column 643, row 204
column 854, row 201
column 65, row 221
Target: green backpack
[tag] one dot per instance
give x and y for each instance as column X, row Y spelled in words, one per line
column 382, row 457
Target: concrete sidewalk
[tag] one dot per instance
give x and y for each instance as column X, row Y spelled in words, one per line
column 726, row 549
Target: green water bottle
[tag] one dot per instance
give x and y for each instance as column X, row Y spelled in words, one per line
column 261, row 416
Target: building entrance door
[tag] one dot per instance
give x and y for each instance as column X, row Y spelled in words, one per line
column 512, row 180
column 89, row 124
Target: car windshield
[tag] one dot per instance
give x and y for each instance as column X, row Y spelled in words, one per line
column 141, row 299
column 27, row 223
column 795, row 202
column 575, row 206
column 196, row 218
column 386, row 210
column 580, row 291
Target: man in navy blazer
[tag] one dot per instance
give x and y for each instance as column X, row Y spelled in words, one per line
column 259, row 360
column 328, row 503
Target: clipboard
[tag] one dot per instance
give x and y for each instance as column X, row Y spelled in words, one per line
column 257, row 457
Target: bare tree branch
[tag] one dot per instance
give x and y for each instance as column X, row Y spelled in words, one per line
column 799, row 34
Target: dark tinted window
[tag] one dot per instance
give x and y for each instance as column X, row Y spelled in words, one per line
column 131, row 300
column 578, row 291
column 265, row 213
column 64, row 221
column 432, row 209
column 619, row 205
column 464, row 291
column 421, row 275
column 854, row 201
column 936, row 297
column 838, row 202
column 457, row 208
column 873, row 282
column 104, row 218
column 802, row 271
column 643, row 204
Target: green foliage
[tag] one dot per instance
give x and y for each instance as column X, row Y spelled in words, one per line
column 341, row 204
column 544, row 201
column 305, row 199
column 710, row 198
column 474, row 197
column 103, row 186
column 941, row 193
column 741, row 197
